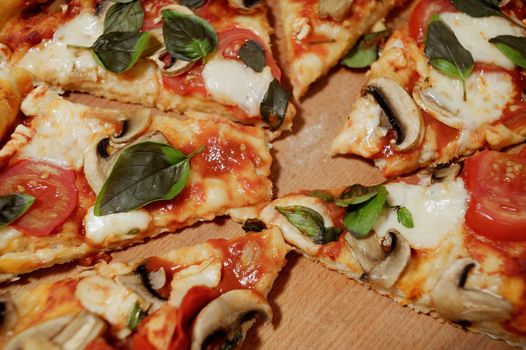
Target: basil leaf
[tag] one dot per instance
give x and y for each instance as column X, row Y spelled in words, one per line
column 119, row 51
column 12, row 206
column 136, row 316
column 193, row 4
column 365, row 52
column 324, row 196
column 404, row 216
column 356, row 194
column 124, row 17
column 310, row 223
column 253, row 55
column 188, row 37
column 253, row 225
column 513, row 47
column 445, row 52
column 483, row 8
column 274, row 105
column 145, row 172
column 361, row 219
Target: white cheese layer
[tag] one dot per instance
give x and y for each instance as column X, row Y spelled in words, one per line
column 117, row 226
column 474, row 35
column 232, row 82
column 66, row 62
column 437, row 211
column 487, row 94
column 61, row 130
column 7, row 234
column 106, row 298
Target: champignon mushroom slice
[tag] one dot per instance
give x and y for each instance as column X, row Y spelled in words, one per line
column 401, row 111
column 336, row 9
column 445, row 172
column 367, row 251
column 172, row 67
column 133, row 125
column 245, row 5
column 8, row 313
column 429, row 104
column 387, row 272
column 45, row 330
column 227, row 312
column 456, row 303
column 134, row 281
column 81, row 331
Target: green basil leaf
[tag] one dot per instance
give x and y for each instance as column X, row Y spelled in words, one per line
column 193, row 4
column 124, row 17
column 253, row 225
column 253, row 55
column 119, row 51
column 188, row 37
column 274, row 105
column 12, row 206
column 356, row 194
column 405, row 217
column 365, row 52
column 360, row 220
column 310, row 223
column 324, row 196
column 145, row 172
column 445, row 52
column 483, row 8
column 513, row 47
column 136, row 316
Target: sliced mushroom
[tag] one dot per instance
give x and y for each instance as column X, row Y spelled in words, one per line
column 99, row 158
column 452, row 300
column 228, row 312
column 401, row 111
column 133, row 124
column 336, row 9
column 81, row 331
column 135, row 282
column 46, row 330
column 246, row 5
column 445, row 172
column 383, row 262
column 8, row 313
column 425, row 99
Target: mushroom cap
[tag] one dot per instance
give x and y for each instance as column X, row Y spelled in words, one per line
column 430, row 105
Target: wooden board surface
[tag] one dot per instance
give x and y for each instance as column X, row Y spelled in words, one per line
column 314, row 308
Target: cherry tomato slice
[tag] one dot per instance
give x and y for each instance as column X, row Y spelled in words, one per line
column 497, row 185
column 231, row 40
column 53, row 188
column 422, row 13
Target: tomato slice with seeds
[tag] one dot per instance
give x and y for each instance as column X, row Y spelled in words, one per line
column 231, row 40
column 497, row 185
column 422, row 13
column 53, row 188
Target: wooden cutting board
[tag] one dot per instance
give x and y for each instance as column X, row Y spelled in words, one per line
column 314, row 308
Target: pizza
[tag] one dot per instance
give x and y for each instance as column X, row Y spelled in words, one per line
column 205, row 296
column 412, row 114
column 117, row 177
column 450, row 242
column 317, row 34
column 209, row 56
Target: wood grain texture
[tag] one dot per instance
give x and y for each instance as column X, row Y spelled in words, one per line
column 314, row 308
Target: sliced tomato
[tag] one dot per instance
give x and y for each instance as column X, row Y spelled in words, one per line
column 231, row 40
column 422, row 14
column 53, row 188
column 497, row 186
column 187, row 84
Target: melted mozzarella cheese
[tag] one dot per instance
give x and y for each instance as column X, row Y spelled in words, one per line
column 232, row 82
column 474, row 33
column 62, row 132
column 82, row 30
column 437, row 210
column 207, row 273
column 119, row 226
column 487, row 94
column 7, row 234
column 106, row 298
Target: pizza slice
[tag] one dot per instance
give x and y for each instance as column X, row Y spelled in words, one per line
column 79, row 180
column 318, row 34
column 205, row 56
column 205, row 296
column 418, row 108
column 444, row 242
